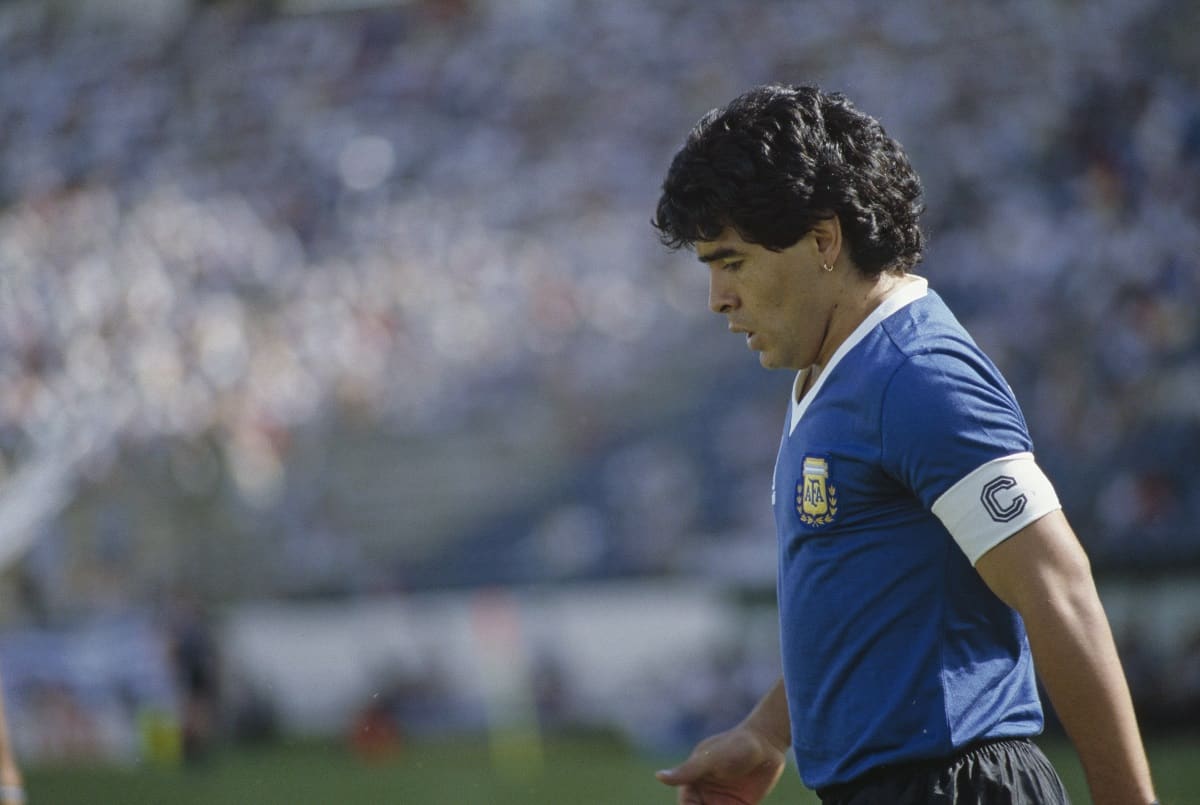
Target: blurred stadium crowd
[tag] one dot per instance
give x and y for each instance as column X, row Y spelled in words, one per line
column 233, row 235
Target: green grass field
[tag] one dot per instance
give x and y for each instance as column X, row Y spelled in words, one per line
column 582, row 771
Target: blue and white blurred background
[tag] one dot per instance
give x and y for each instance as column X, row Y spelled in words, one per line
column 337, row 331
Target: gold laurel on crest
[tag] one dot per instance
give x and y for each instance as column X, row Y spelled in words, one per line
column 827, row 517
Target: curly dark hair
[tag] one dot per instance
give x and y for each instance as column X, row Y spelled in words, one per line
column 777, row 160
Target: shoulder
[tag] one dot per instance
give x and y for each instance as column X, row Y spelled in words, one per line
column 949, row 388
column 928, row 326
column 936, row 356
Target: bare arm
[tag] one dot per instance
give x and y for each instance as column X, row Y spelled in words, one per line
column 771, row 718
column 742, row 765
column 1044, row 574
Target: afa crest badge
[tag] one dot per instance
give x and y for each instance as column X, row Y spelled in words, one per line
column 816, row 496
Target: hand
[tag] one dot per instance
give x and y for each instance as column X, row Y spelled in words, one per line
column 738, row 767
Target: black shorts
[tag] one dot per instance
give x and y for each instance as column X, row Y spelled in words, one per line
column 1004, row 772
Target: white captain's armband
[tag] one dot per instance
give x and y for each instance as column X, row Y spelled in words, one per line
column 994, row 502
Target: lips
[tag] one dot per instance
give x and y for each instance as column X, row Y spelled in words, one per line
column 733, row 328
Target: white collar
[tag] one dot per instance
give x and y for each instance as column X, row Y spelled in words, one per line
column 899, row 297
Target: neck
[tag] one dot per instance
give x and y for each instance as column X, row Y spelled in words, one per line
column 860, row 296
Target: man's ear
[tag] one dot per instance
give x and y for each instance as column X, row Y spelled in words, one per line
column 827, row 234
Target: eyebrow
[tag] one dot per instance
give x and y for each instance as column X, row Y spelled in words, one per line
column 719, row 254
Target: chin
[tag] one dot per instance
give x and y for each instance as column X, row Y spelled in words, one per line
column 769, row 361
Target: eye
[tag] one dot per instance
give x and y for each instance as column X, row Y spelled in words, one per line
column 732, row 265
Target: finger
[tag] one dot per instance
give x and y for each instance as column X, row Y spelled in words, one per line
column 686, row 793
column 689, row 771
column 680, row 775
column 666, row 776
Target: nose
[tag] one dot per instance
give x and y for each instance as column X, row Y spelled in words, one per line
column 721, row 297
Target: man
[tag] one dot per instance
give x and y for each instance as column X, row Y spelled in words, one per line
column 925, row 564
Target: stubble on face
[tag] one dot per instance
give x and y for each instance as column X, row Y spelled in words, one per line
column 779, row 299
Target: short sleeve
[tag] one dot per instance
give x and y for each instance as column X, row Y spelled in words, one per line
column 954, row 435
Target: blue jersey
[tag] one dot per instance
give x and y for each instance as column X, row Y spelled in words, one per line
column 905, row 462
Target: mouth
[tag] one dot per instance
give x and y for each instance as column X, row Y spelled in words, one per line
column 748, row 333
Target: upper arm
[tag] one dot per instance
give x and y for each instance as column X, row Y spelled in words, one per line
column 955, row 437
column 942, row 417
column 1038, row 565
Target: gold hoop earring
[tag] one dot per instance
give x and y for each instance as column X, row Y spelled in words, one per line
column 826, row 266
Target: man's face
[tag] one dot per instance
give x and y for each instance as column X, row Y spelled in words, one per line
column 782, row 301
